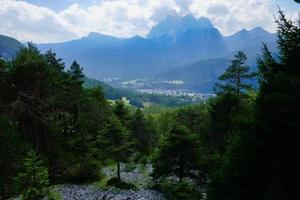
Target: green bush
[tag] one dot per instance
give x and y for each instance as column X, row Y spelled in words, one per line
column 32, row 181
column 129, row 167
column 144, row 160
column 120, row 184
column 31, row 193
column 54, row 196
column 83, row 172
column 179, row 191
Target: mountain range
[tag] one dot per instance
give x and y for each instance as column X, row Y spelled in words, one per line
column 9, row 47
column 187, row 49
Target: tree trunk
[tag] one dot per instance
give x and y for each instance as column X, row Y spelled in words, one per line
column 180, row 175
column 238, row 82
column 118, row 171
column 181, row 170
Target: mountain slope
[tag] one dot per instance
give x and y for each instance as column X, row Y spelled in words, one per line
column 251, row 42
column 198, row 76
column 9, row 47
column 175, row 41
column 106, row 56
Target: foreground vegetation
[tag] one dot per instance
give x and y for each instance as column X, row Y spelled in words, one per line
column 243, row 144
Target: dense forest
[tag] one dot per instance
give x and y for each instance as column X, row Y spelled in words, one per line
column 243, row 144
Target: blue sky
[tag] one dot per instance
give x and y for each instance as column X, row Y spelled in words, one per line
column 288, row 4
column 58, row 5
column 61, row 20
column 62, row 4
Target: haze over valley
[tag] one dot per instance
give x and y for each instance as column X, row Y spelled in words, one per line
column 179, row 53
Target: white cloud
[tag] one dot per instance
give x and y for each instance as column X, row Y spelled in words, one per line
column 230, row 16
column 125, row 18
column 31, row 23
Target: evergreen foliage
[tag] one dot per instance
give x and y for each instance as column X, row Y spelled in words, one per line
column 236, row 76
column 119, row 144
column 261, row 161
column 179, row 191
column 240, row 145
column 142, row 132
column 32, row 182
column 179, row 153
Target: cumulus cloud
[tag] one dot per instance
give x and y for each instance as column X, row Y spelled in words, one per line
column 230, row 16
column 31, row 23
column 125, row 18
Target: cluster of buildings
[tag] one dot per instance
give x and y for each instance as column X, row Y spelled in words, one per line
column 178, row 93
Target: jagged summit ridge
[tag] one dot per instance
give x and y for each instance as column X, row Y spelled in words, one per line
column 173, row 25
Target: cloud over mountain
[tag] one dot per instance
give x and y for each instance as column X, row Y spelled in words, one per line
column 124, row 18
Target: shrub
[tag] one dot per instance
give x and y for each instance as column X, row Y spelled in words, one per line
column 120, row 184
column 129, row 167
column 32, row 182
column 179, row 191
column 54, row 196
column 83, row 172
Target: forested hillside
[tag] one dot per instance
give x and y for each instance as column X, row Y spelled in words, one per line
column 61, row 138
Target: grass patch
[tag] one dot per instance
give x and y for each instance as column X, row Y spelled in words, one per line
column 54, row 196
column 102, row 182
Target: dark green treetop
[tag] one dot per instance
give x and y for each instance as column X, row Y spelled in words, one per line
column 179, row 154
column 33, row 181
column 236, row 76
column 76, row 73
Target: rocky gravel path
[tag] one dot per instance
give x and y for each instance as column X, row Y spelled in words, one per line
column 139, row 175
column 76, row 192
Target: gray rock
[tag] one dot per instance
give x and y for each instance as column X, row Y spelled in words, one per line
column 87, row 192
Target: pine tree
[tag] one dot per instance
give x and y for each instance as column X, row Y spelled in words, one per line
column 141, row 132
column 32, row 182
column 122, row 112
column 53, row 62
column 76, row 73
column 262, row 163
column 179, row 153
column 236, row 76
column 3, row 81
column 119, row 144
column 231, row 98
column 278, row 114
column 55, row 114
column 29, row 89
column 223, row 111
column 76, row 92
column 10, row 155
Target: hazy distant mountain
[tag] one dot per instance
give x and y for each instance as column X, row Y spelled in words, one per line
column 173, row 25
column 106, row 56
column 9, row 46
column 251, row 42
column 175, row 41
column 182, row 50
